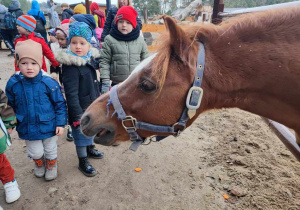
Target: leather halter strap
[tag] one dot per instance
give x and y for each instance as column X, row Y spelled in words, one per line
column 193, row 102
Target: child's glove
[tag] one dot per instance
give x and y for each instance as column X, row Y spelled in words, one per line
column 105, row 85
column 75, row 124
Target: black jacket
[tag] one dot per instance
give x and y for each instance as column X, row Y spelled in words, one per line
column 67, row 14
column 110, row 21
column 80, row 82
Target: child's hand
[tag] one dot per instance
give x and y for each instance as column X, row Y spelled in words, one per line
column 9, row 130
column 54, row 76
column 59, row 131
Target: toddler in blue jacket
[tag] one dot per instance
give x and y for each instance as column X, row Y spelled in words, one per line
column 39, row 106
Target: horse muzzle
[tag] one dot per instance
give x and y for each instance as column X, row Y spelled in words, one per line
column 104, row 134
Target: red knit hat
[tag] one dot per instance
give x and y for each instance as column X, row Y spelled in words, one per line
column 127, row 13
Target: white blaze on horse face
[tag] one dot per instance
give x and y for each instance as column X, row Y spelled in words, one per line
column 143, row 64
column 140, row 66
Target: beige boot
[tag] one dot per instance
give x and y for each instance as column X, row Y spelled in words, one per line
column 51, row 169
column 39, row 169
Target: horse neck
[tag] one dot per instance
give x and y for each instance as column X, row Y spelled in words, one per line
column 248, row 74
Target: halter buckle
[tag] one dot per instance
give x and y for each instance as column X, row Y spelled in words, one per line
column 180, row 129
column 198, row 90
column 130, row 119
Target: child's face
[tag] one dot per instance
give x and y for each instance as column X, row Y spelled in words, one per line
column 124, row 26
column 63, row 8
column 79, row 46
column 123, row 3
column 29, row 67
column 62, row 41
column 22, row 30
column 52, row 38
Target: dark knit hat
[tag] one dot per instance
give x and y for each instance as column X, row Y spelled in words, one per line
column 127, row 13
column 27, row 21
column 29, row 49
column 80, row 29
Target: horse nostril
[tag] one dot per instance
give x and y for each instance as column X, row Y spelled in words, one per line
column 85, row 121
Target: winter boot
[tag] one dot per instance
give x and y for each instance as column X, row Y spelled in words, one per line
column 39, row 169
column 92, row 152
column 51, row 169
column 86, row 168
column 12, row 191
column 69, row 134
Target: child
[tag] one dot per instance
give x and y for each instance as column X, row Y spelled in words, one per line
column 67, row 12
column 52, row 37
column 39, row 106
column 25, row 25
column 54, row 20
column 62, row 32
column 81, row 88
column 125, row 40
column 7, row 122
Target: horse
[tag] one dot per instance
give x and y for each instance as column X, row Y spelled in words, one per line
column 251, row 62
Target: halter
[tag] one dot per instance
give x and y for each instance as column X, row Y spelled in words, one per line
column 193, row 102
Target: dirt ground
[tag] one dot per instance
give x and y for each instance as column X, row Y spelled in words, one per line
column 226, row 152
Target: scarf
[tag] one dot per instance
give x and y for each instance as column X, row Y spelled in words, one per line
column 133, row 35
column 87, row 57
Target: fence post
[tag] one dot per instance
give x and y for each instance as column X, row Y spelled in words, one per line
column 87, row 6
column 218, row 7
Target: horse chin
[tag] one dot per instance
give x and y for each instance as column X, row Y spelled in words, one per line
column 105, row 136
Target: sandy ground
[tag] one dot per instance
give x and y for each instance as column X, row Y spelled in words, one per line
column 226, row 152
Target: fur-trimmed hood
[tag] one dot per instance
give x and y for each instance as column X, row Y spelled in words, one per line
column 63, row 57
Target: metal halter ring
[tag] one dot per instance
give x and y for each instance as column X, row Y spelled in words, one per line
column 176, row 133
column 132, row 120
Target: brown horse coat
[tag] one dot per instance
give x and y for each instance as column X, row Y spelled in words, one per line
column 252, row 62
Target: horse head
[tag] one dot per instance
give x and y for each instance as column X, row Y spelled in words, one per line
column 251, row 62
column 154, row 93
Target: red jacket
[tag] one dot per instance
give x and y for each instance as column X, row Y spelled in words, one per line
column 46, row 50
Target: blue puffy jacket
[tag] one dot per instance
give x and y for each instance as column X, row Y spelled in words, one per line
column 35, row 9
column 39, row 105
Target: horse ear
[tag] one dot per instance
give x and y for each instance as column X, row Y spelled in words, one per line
column 178, row 39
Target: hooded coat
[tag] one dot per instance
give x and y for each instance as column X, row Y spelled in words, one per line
column 67, row 13
column 54, row 20
column 35, row 11
column 80, row 82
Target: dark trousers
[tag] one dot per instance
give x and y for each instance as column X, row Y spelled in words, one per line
column 8, row 36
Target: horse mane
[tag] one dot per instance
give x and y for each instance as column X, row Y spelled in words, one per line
column 247, row 27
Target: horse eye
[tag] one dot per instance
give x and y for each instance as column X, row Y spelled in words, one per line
column 147, row 86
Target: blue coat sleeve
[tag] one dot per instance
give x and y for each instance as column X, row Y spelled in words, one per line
column 43, row 17
column 9, row 93
column 59, row 103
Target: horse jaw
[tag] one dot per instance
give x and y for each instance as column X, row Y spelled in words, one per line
column 104, row 126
